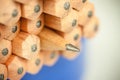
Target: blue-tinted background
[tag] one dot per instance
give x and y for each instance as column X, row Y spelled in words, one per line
column 63, row 70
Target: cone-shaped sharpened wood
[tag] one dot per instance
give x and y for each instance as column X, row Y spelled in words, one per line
column 35, row 65
column 50, row 57
column 5, row 50
column 32, row 10
column 10, row 32
column 65, row 24
column 10, row 12
column 86, row 13
column 52, row 41
column 3, row 72
column 58, row 8
column 16, row 67
column 32, row 26
column 26, row 45
column 91, row 28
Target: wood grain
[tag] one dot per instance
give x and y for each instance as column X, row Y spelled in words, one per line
column 5, row 50
column 50, row 57
column 10, row 12
column 3, row 72
column 32, row 10
column 35, row 64
column 58, row 8
column 26, row 45
column 86, row 13
column 16, row 68
column 32, row 26
column 65, row 24
column 91, row 28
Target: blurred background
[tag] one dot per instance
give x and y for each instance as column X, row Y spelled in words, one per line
column 103, row 52
column 100, row 56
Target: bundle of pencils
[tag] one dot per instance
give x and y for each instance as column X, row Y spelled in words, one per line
column 34, row 33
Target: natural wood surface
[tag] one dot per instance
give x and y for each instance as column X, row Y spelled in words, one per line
column 22, row 1
column 10, row 32
column 65, row 24
column 32, row 26
column 58, row 8
column 50, row 57
column 52, row 41
column 5, row 50
column 91, row 28
column 16, row 68
column 35, row 64
column 10, row 12
column 73, row 37
column 3, row 72
column 26, row 45
column 78, row 4
column 32, row 10
column 86, row 13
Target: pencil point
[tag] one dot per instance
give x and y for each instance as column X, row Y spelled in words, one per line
column 71, row 47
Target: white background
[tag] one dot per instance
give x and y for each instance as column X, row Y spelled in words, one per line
column 103, row 51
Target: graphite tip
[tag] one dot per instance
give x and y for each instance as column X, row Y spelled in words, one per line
column 71, row 47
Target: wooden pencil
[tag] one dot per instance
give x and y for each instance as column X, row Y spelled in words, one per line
column 3, row 72
column 54, row 42
column 10, row 32
column 32, row 10
column 26, row 45
column 50, row 57
column 5, row 50
column 78, row 4
column 58, row 8
column 35, row 65
column 65, row 24
column 10, row 12
column 32, row 26
column 91, row 28
column 74, row 38
column 22, row 1
column 86, row 13
column 16, row 67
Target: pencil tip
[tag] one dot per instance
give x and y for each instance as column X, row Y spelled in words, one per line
column 71, row 47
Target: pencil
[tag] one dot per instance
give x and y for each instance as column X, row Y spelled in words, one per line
column 54, row 42
column 5, row 50
column 10, row 12
column 16, row 67
column 50, row 57
column 26, row 45
column 32, row 10
column 3, row 72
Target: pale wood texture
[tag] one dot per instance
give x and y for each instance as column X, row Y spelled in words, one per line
column 5, row 50
column 35, row 65
column 86, row 13
column 51, row 41
column 3, row 72
column 32, row 10
column 50, row 57
column 10, row 12
column 74, row 38
column 32, row 26
column 91, row 28
column 23, row 1
column 16, row 67
column 10, row 32
column 26, row 45
column 65, row 24
column 56, row 7
column 78, row 4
